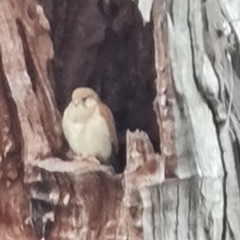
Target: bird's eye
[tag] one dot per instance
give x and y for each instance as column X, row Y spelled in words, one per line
column 85, row 98
column 75, row 103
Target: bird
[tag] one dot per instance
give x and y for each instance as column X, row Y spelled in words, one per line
column 89, row 127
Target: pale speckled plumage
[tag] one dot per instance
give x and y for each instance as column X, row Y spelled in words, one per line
column 88, row 125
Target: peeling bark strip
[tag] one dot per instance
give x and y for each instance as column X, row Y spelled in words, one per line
column 165, row 92
column 26, row 48
column 10, row 131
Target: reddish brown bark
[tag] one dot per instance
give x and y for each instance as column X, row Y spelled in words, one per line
column 30, row 126
column 60, row 200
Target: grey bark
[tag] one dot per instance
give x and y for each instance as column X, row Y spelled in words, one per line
column 203, row 44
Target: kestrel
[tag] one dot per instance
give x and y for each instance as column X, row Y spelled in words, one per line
column 89, row 127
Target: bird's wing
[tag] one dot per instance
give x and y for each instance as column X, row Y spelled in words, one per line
column 107, row 114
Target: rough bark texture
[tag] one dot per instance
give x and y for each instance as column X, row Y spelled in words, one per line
column 203, row 47
column 85, row 201
column 29, row 121
column 196, row 54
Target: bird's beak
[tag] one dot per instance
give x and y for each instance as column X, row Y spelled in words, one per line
column 75, row 102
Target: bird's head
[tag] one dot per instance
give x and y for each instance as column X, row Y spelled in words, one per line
column 83, row 104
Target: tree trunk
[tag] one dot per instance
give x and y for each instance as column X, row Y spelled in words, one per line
column 203, row 48
column 190, row 190
column 30, row 124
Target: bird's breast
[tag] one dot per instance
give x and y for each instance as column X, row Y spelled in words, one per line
column 90, row 138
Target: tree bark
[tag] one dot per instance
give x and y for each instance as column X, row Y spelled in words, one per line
column 189, row 191
column 30, row 125
column 203, row 49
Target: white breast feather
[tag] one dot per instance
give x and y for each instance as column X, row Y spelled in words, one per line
column 89, row 139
